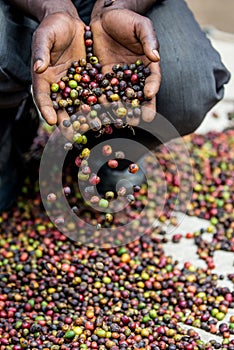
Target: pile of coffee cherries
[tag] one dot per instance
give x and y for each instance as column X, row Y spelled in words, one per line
column 78, row 92
column 84, row 84
column 57, row 294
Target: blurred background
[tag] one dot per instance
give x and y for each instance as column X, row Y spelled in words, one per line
column 216, row 13
column 217, row 19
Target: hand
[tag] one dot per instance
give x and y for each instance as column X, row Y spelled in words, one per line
column 56, row 43
column 123, row 36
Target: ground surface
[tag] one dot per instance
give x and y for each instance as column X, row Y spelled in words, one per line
column 192, row 249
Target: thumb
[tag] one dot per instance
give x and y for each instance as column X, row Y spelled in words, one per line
column 145, row 33
column 42, row 44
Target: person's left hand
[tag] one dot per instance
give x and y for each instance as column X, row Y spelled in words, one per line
column 123, row 36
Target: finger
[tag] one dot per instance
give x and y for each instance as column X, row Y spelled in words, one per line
column 150, row 90
column 153, row 81
column 44, row 102
column 148, row 111
column 67, row 132
column 145, row 33
column 102, row 99
column 133, row 121
column 41, row 45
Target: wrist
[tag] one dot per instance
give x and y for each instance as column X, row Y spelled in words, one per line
column 39, row 9
column 138, row 6
column 100, row 9
column 57, row 6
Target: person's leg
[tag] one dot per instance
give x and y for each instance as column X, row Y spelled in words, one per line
column 193, row 75
column 18, row 116
column 15, row 56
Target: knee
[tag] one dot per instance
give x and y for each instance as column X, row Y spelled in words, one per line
column 188, row 120
column 190, row 94
column 199, row 102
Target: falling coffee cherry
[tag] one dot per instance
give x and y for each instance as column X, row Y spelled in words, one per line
column 94, row 179
column 133, row 168
column 113, row 163
column 51, row 197
column 109, row 217
column 106, row 150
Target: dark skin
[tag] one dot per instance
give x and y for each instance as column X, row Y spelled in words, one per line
column 122, row 36
column 52, row 49
column 118, row 33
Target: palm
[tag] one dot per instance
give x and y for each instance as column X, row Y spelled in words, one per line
column 64, row 47
column 116, row 44
column 116, row 40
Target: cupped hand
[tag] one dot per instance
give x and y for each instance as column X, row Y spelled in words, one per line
column 123, row 36
column 58, row 41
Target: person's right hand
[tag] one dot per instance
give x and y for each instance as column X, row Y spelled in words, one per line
column 58, row 40
column 123, row 36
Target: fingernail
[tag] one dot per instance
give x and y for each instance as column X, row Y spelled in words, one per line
column 37, row 65
column 156, row 53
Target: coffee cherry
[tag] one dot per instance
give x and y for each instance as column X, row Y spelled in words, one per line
column 51, row 197
column 94, row 200
column 86, row 170
column 106, row 150
column 76, row 125
column 77, row 138
column 133, row 168
column 103, row 203
column 109, row 195
column 113, row 163
column 85, row 78
column 72, row 84
column 66, row 123
column 130, row 198
column 92, row 99
column 118, row 123
column 127, row 74
column 84, row 127
column 134, row 78
column 94, row 179
column 82, row 62
column 121, row 111
column 108, row 130
column 109, row 217
column 87, row 34
column 114, row 81
column 61, row 84
column 93, row 114
column 93, row 60
column 83, row 177
column 88, row 42
column 85, row 153
column 67, row 191
column 122, row 191
column 78, row 161
column 136, row 188
column 54, row 87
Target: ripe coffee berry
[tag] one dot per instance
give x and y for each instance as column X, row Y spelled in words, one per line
column 133, row 168
column 113, row 163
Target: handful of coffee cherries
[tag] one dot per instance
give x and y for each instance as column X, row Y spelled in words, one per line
column 79, row 94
